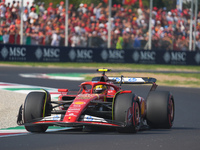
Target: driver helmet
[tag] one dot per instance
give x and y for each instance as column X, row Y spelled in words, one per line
column 99, row 89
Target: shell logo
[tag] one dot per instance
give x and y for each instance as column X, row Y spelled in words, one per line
column 79, row 103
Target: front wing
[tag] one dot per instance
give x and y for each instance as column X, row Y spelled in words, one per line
column 85, row 120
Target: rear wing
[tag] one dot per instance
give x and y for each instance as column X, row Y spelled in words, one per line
column 124, row 80
column 131, row 80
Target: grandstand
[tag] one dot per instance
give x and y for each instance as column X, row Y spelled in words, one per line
column 88, row 26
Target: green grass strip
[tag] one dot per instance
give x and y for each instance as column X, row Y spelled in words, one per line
column 66, row 74
column 23, row 128
column 14, row 128
column 17, row 89
column 104, row 65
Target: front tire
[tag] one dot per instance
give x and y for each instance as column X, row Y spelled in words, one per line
column 127, row 110
column 36, row 106
column 160, row 109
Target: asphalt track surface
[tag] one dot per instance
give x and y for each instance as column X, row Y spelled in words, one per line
column 184, row 135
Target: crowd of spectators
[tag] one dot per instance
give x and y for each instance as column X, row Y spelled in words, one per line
column 88, row 26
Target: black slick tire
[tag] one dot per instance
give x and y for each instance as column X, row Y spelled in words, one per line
column 36, row 106
column 160, row 109
column 123, row 104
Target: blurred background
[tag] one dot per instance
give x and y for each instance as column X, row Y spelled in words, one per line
column 118, row 24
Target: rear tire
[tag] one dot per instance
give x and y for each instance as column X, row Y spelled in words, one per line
column 127, row 110
column 160, row 109
column 34, row 105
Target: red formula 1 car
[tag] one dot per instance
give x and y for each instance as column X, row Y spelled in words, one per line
column 99, row 103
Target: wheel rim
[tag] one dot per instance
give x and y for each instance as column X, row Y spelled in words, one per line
column 171, row 110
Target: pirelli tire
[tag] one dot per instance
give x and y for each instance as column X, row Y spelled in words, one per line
column 36, row 106
column 160, row 109
column 127, row 111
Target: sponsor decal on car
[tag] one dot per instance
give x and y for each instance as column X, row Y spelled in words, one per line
column 76, row 105
column 72, row 114
column 126, row 79
column 93, row 118
column 54, row 117
column 89, row 118
column 73, row 109
column 79, row 103
column 85, row 96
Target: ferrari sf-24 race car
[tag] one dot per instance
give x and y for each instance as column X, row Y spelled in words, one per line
column 101, row 103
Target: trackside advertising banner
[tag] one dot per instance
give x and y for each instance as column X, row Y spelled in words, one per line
column 24, row 53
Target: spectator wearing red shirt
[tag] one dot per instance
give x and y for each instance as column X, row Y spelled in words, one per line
column 50, row 9
column 12, row 34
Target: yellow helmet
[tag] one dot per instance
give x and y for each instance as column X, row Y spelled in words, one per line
column 99, row 89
